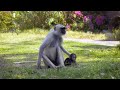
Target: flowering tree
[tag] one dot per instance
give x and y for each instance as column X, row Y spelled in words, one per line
column 74, row 20
column 88, row 21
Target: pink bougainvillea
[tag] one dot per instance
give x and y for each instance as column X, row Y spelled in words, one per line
column 68, row 26
column 90, row 21
column 85, row 19
column 78, row 13
column 90, row 17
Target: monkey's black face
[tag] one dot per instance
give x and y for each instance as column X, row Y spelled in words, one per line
column 63, row 31
column 73, row 57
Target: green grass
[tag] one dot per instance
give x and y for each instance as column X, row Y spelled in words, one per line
column 88, row 35
column 94, row 61
column 71, row 34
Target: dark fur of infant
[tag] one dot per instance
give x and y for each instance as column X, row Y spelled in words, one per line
column 71, row 60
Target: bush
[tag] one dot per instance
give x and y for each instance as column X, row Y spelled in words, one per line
column 118, row 46
column 22, row 20
column 116, row 34
column 6, row 21
column 76, row 20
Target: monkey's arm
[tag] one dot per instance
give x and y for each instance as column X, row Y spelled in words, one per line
column 61, row 41
column 65, row 51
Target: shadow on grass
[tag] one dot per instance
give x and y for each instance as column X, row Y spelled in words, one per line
column 7, row 62
column 2, row 62
column 93, row 69
column 19, row 57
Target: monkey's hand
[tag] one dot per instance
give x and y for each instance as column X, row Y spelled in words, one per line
column 55, row 67
column 60, row 66
column 38, row 65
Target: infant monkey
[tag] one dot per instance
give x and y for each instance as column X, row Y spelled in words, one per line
column 71, row 60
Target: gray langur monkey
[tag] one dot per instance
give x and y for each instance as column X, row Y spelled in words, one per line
column 51, row 49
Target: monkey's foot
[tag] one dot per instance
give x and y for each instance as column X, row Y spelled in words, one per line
column 60, row 66
column 38, row 67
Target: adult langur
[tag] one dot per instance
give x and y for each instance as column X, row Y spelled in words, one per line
column 51, row 49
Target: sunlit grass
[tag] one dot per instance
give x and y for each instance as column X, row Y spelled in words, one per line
column 94, row 61
column 36, row 32
column 88, row 35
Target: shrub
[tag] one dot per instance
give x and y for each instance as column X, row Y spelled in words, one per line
column 6, row 21
column 116, row 34
column 75, row 20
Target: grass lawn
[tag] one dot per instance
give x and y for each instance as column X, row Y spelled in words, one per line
column 94, row 61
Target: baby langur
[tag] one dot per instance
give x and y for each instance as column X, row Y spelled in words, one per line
column 71, row 60
column 51, row 49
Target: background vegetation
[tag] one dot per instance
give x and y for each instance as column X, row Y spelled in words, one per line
column 80, row 20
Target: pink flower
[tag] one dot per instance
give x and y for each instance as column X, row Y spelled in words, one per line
column 90, row 17
column 85, row 19
column 78, row 13
column 68, row 26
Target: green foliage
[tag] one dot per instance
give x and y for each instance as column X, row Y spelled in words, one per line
column 74, row 25
column 56, row 17
column 116, row 33
column 6, row 21
column 118, row 46
column 16, row 21
column 41, row 19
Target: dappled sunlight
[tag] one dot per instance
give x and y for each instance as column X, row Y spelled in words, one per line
column 20, row 57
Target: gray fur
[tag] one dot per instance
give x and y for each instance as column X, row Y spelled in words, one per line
column 51, row 49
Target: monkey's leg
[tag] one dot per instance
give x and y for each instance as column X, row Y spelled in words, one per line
column 60, row 58
column 39, row 63
column 46, row 65
column 48, row 62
